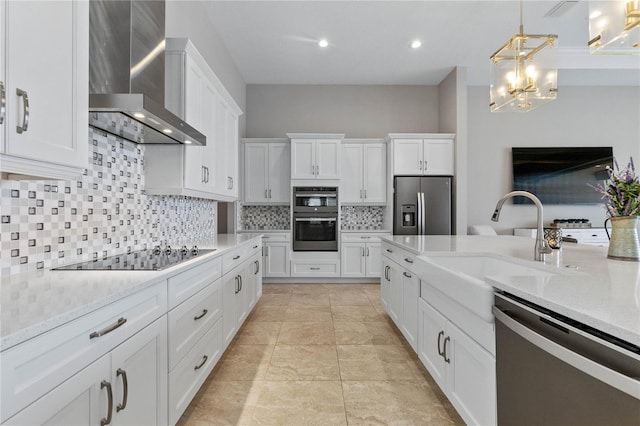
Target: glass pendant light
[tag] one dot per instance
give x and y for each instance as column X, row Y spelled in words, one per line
column 524, row 73
column 614, row 27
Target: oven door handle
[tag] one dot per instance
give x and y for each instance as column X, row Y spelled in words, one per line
column 325, row 195
column 611, row 377
column 315, row 219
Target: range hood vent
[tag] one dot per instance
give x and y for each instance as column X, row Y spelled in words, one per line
column 126, row 74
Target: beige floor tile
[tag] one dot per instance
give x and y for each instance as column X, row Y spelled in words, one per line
column 258, row 333
column 373, row 292
column 268, row 313
column 274, row 299
column 300, row 403
column 310, row 299
column 376, row 362
column 308, row 288
column 304, row 362
column 349, row 298
column 276, row 288
column 392, row 403
column 356, row 313
column 300, row 313
column 225, row 403
column 244, row 362
column 307, row 333
column 365, row 333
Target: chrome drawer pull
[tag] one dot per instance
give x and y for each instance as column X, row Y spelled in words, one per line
column 389, row 251
column 198, row 367
column 3, row 102
column 109, row 329
column 236, row 257
column 204, row 312
column 406, row 274
column 314, row 269
column 440, row 337
column 255, row 247
column 105, row 384
column 444, row 350
column 25, row 109
column 125, row 396
column 406, row 259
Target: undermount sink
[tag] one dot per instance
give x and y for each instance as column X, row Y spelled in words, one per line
column 462, row 277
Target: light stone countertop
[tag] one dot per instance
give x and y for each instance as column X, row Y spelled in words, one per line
column 263, row 231
column 604, row 294
column 36, row 302
column 366, row 231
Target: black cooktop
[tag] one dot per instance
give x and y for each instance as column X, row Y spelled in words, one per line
column 154, row 259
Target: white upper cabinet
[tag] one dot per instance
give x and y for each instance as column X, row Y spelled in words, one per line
column 423, row 154
column 364, row 169
column 267, row 171
column 44, row 71
column 315, row 156
column 194, row 93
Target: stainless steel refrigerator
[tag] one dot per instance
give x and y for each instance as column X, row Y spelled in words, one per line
column 422, row 205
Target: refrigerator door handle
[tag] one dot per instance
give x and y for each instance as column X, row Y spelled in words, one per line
column 424, row 214
column 419, row 222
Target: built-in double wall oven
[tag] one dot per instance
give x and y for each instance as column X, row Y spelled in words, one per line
column 315, row 218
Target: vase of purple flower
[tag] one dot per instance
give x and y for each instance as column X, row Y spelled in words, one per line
column 621, row 195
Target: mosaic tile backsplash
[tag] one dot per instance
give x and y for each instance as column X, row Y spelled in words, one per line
column 103, row 213
column 264, row 217
column 361, row 218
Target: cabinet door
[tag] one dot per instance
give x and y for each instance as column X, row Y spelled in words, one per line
column 229, row 290
column 373, row 260
column 303, row 159
column 385, row 284
column 194, row 172
column 208, row 128
column 241, row 299
column 471, row 378
column 139, row 377
column 410, row 296
column 257, row 278
column 407, row 157
column 232, row 152
column 276, row 259
column 352, row 257
column 256, row 173
column 249, row 285
column 80, row 400
column 328, row 159
column 432, row 329
column 351, row 189
column 47, row 51
column 279, row 173
column 438, row 157
column 395, row 293
column 375, row 173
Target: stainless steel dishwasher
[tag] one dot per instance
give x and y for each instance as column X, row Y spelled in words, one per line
column 551, row 370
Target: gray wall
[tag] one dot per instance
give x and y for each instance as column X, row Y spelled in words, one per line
column 452, row 94
column 189, row 19
column 581, row 116
column 358, row 111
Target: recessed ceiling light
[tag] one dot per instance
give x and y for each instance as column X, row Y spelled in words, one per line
column 323, row 43
column 415, row 44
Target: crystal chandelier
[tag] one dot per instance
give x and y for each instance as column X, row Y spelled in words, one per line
column 524, row 73
column 614, row 27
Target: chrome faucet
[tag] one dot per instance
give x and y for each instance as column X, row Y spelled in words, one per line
column 541, row 247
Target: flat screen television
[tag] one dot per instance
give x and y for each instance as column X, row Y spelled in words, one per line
column 559, row 175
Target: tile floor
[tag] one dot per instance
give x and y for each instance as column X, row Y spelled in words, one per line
column 319, row 354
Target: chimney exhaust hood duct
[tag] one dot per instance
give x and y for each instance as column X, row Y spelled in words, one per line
column 126, row 74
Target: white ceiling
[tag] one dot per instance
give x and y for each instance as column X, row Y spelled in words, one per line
column 275, row 42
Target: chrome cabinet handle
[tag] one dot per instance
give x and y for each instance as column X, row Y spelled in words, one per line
column 406, row 259
column 107, row 420
column 240, row 277
column 237, row 284
column 425, row 165
column 440, row 337
column 365, row 193
column 109, row 329
column 406, row 274
column 3, row 102
column 444, row 350
column 236, row 257
column 420, row 165
column 266, row 192
column 364, row 238
column 25, row 109
column 198, row 367
column 202, row 174
column 125, row 396
column 255, row 247
column 367, row 251
column 314, row 269
column 269, row 193
column 257, row 267
column 204, row 312
column 389, row 251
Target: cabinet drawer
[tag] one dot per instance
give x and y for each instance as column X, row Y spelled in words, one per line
column 311, row 268
column 401, row 257
column 362, row 238
column 33, row 368
column 188, row 283
column 191, row 319
column 267, row 238
column 187, row 377
column 238, row 255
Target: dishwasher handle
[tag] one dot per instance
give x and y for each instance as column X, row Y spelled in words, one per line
column 611, row 377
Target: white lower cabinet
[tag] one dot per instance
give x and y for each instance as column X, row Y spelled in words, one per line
column 463, row 369
column 360, row 255
column 393, row 289
column 276, row 255
column 410, row 296
column 127, row 386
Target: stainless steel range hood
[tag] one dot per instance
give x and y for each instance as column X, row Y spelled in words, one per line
column 126, row 74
